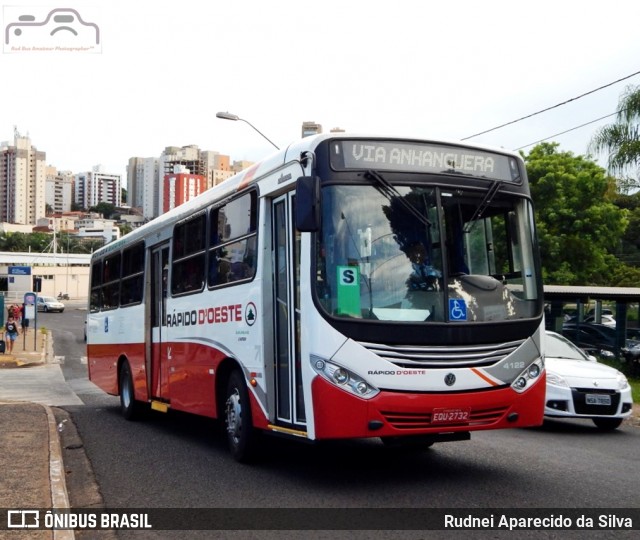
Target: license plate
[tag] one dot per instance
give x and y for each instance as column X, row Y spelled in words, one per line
column 598, row 399
column 450, row 416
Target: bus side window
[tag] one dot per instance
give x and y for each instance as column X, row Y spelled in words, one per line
column 95, row 300
column 233, row 241
column 111, row 273
column 132, row 275
column 189, row 255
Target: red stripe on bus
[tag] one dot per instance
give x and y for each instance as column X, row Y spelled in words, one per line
column 484, row 377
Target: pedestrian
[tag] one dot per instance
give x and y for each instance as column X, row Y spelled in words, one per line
column 11, row 331
column 17, row 313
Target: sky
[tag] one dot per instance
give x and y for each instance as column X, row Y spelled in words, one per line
column 415, row 68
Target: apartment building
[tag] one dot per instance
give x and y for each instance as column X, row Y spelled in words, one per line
column 58, row 189
column 181, row 186
column 146, row 177
column 22, row 181
column 96, row 186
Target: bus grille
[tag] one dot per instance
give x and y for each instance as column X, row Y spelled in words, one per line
column 411, row 356
column 408, row 421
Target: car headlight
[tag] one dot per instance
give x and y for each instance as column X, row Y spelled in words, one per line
column 622, row 381
column 343, row 378
column 555, row 379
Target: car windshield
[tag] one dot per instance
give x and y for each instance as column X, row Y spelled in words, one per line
column 559, row 347
column 423, row 254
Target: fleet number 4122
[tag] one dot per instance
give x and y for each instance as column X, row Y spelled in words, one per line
column 513, row 365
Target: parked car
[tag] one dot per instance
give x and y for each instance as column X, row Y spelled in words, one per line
column 606, row 320
column 49, row 303
column 580, row 387
column 600, row 340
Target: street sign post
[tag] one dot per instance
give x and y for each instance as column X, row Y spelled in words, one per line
column 30, row 312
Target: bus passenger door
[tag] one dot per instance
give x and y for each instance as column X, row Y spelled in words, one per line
column 158, row 353
column 288, row 377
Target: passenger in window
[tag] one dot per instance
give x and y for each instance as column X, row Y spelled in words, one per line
column 424, row 276
column 236, row 258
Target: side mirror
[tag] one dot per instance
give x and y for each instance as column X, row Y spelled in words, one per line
column 308, row 204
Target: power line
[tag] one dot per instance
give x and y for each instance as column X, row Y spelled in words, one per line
column 567, row 131
column 552, row 107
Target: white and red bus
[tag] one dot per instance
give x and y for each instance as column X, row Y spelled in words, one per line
column 345, row 287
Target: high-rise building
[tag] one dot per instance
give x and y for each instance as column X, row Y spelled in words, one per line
column 134, row 182
column 217, row 166
column 22, row 181
column 142, row 185
column 181, row 186
column 58, row 189
column 146, row 176
column 92, row 188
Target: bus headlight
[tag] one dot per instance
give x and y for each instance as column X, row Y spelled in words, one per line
column 343, row 378
column 528, row 376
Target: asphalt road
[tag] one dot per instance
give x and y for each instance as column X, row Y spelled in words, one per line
column 180, row 461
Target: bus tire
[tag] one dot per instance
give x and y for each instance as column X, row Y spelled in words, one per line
column 238, row 422
column 129, row 407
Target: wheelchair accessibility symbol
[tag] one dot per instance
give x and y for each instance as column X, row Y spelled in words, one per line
column 457, row 310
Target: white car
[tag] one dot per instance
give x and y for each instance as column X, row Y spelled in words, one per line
column 579, row 387
column 49, row 303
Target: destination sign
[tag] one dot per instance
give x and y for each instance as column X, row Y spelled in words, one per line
column 423, row 157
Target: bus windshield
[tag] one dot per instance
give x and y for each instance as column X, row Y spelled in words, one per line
column 416, row 253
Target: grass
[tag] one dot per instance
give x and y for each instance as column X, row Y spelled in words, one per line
column 635, row 389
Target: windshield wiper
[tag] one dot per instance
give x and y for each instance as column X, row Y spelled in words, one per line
column 484, row 204
column 390, row 192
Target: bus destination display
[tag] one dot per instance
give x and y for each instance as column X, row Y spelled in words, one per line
column 419, row 157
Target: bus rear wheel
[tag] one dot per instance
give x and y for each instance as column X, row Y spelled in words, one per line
column 239, row 427
column 129, row 407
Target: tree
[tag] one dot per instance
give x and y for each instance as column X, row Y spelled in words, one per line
column 104, row 208
column 630, row 242
column 621, row 140
column 579, row 226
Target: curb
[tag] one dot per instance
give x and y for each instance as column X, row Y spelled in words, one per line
column 59, row 494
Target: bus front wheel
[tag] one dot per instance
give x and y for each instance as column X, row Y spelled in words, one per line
column 129, row 407
column 238, row 423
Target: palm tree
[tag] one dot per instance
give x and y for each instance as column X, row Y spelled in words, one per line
column 621, row 140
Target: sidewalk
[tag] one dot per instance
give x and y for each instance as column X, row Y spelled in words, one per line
column 29, row 348
column 33, row 474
